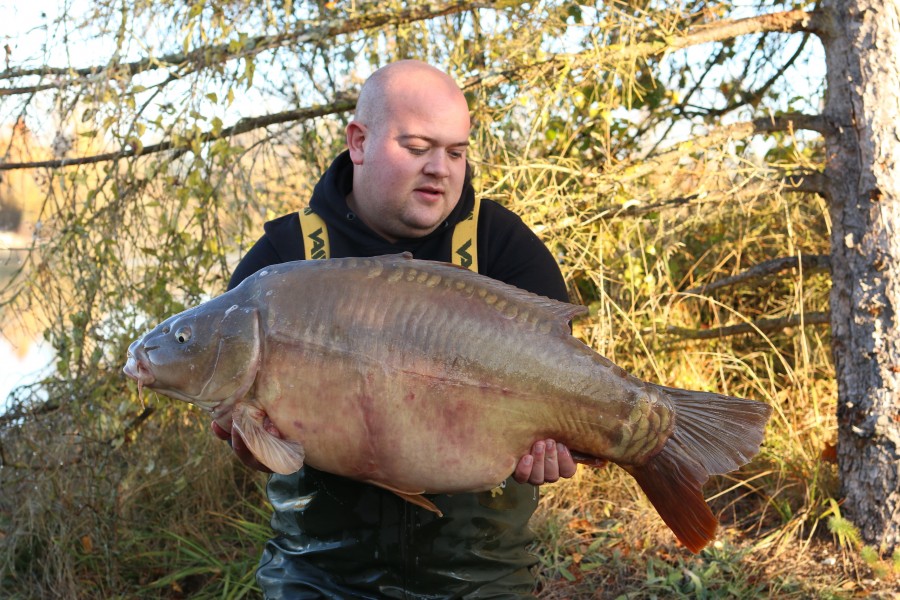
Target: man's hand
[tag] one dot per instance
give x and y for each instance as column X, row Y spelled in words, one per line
column 547, row 462
column 240, row 448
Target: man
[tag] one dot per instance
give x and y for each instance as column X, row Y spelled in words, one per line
column 402, row 186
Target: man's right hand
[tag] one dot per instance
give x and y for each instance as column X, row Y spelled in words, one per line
column 240, row 448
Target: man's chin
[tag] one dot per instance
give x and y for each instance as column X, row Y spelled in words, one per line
column 423, row 222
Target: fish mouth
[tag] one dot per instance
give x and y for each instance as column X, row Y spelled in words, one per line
column 136, row 367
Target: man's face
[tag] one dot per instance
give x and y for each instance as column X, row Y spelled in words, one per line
column 410, row 166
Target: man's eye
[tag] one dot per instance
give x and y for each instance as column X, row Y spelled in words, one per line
column 457, row 153
column 417, row 151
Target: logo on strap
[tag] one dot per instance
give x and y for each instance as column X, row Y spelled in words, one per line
column 464, row 244
column 315, row 243
column 465, row 259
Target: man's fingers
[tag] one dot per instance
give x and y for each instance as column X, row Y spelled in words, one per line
column 537, row 470
column 523, row 469
column 567, row 466
column 547, row 463
column 219, row 432
column 240, row 448
column 551, row 462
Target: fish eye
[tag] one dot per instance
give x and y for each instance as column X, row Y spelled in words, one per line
column 183, row 335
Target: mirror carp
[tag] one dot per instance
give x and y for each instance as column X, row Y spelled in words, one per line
column 423, row 377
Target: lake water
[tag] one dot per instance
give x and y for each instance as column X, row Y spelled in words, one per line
column 22, row 368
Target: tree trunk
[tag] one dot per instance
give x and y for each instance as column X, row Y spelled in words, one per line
column 862, row 38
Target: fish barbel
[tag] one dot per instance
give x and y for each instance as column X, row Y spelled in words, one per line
column 422, row 377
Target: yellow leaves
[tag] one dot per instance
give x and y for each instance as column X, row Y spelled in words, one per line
column 195, row 10
column 249, row 70
column 135, row 144
column 578, row 99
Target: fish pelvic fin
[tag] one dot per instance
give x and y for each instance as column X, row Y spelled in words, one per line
column 714, row 434
column 280, row 455
column 412, row 497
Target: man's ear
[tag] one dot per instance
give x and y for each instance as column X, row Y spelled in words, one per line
column 356, row 137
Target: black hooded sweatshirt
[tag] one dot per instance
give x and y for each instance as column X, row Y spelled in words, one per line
column 338, row 538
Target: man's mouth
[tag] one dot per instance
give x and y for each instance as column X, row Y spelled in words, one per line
column 430, row 192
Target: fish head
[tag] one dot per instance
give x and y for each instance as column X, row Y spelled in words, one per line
column 207, row 355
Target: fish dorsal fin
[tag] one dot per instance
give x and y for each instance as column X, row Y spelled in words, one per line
column 552, row 314
column 545, row 314
column 280, row 455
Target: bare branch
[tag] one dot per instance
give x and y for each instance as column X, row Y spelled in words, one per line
column 762, row 325
column 131, row 427
column 202, row 57
column 808, row 262
column 242, row 126
column 738, row 131
column 18, row 412
column 755, row 96
column 812, row 182
column 789, row 21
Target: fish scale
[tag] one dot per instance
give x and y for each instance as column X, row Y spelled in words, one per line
column 422, row 377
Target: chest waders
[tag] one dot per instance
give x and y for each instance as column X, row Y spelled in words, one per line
column 362, row 543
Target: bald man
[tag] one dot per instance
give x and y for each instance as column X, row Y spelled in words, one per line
column 402, row 186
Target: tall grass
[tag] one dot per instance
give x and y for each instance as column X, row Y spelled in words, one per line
column 162, row 513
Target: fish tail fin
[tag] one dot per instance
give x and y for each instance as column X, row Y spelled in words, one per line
column 713, row 435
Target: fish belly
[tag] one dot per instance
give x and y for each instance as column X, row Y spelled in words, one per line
column 408, row 429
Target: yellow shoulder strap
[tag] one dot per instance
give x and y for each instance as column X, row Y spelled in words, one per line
column 465, row 240
column 315, row 235
column 464, row 243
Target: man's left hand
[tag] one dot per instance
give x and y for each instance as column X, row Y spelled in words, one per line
column 547, row 462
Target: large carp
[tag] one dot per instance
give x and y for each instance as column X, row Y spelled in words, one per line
column 422, row 377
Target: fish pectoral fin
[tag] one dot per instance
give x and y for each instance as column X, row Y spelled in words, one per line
column 412, row 497
column 280, row 455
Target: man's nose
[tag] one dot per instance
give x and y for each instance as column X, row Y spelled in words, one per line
column 438, row 164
